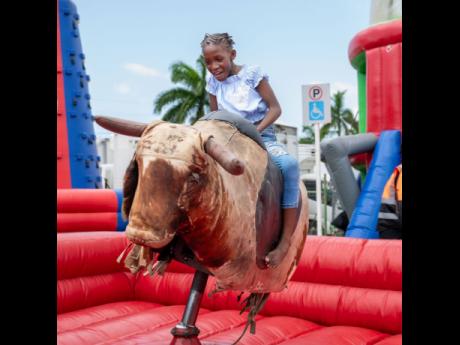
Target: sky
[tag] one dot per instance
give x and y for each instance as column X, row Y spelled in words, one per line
column 129, row 46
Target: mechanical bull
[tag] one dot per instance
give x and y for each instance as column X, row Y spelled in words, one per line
column 214, row 186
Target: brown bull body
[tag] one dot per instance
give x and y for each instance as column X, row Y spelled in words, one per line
column 174, row 188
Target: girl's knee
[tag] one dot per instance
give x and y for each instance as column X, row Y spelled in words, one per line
column 290, row 167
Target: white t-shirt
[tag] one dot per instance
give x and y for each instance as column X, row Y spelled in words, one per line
column 238, row 94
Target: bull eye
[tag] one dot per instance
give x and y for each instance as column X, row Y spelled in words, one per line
column 194, row 178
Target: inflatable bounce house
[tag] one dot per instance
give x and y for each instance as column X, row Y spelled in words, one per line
column 345, row 290
column 376, row 54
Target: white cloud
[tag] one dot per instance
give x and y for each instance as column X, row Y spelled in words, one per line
column 142, row 70
column 122, row 88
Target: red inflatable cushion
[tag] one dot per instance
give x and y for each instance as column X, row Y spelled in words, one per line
column 328, row 301
column 86, row 200
column 352, row 262
column 84, row 254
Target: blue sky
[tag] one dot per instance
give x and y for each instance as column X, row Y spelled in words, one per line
column 129, row 46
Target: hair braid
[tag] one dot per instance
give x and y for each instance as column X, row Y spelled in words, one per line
column 216, row 39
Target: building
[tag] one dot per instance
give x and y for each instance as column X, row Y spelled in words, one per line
column 287, row 135
column 116, row 151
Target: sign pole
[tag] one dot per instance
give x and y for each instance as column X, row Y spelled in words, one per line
column 319, row 225
column 316, row 110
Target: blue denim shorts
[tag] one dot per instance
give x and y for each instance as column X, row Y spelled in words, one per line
column 287, row 164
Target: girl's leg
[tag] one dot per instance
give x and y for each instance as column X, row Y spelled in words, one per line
column 290, row 171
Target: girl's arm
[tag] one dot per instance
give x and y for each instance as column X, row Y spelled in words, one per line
column 274, row 109
column 212, row 102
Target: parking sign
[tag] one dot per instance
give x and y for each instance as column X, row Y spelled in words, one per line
column 316, row 104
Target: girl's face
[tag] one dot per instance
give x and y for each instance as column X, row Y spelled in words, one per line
column 219, row 60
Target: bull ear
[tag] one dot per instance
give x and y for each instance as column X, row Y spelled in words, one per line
column 224, row 157
column 120, row 126
column 129, row 187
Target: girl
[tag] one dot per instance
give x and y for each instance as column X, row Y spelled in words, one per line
column 245, row 90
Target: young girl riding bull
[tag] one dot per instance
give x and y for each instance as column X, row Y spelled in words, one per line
column 245, row 90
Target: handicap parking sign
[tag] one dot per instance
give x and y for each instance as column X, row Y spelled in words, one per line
column 316, row 110
column 316, row 104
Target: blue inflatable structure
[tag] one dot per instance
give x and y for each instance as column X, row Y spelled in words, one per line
column 386, row 157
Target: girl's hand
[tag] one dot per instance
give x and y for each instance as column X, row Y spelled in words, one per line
column 274, row 109
column 212, row 102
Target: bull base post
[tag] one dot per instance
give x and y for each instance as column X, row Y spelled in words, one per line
column 185, row 332
column 185, row 341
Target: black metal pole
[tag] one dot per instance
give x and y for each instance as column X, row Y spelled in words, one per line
column 186, row 328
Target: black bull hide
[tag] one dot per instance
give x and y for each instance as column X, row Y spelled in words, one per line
column 179, row 195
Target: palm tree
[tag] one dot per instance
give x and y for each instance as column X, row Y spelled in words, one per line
column 342, row 122
column 190, row 101
column 309, row 137
column 309, row 134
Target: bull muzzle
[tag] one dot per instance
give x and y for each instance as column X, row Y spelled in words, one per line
column 149, row 238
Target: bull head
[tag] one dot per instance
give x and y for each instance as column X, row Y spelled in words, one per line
column 166, row 177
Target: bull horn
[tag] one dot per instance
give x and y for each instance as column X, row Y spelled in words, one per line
column 120, row 126
column 224, row 157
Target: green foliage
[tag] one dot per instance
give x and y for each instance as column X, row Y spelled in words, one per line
column 343, row 122
column 188, row 101
column 309, row 135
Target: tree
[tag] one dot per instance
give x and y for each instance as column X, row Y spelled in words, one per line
column 309, row 137
column 343, row 122
column 187, row 102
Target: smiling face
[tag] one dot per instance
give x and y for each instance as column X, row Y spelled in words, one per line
column 219, row 60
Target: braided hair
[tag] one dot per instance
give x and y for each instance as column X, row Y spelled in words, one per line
column 216, row 39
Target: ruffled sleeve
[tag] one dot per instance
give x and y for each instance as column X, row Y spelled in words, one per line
column 211, row 85
column 254, row 75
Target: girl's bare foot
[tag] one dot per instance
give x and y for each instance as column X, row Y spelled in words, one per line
column 274, row 258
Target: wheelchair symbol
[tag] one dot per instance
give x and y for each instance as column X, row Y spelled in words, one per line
column 316, row 110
